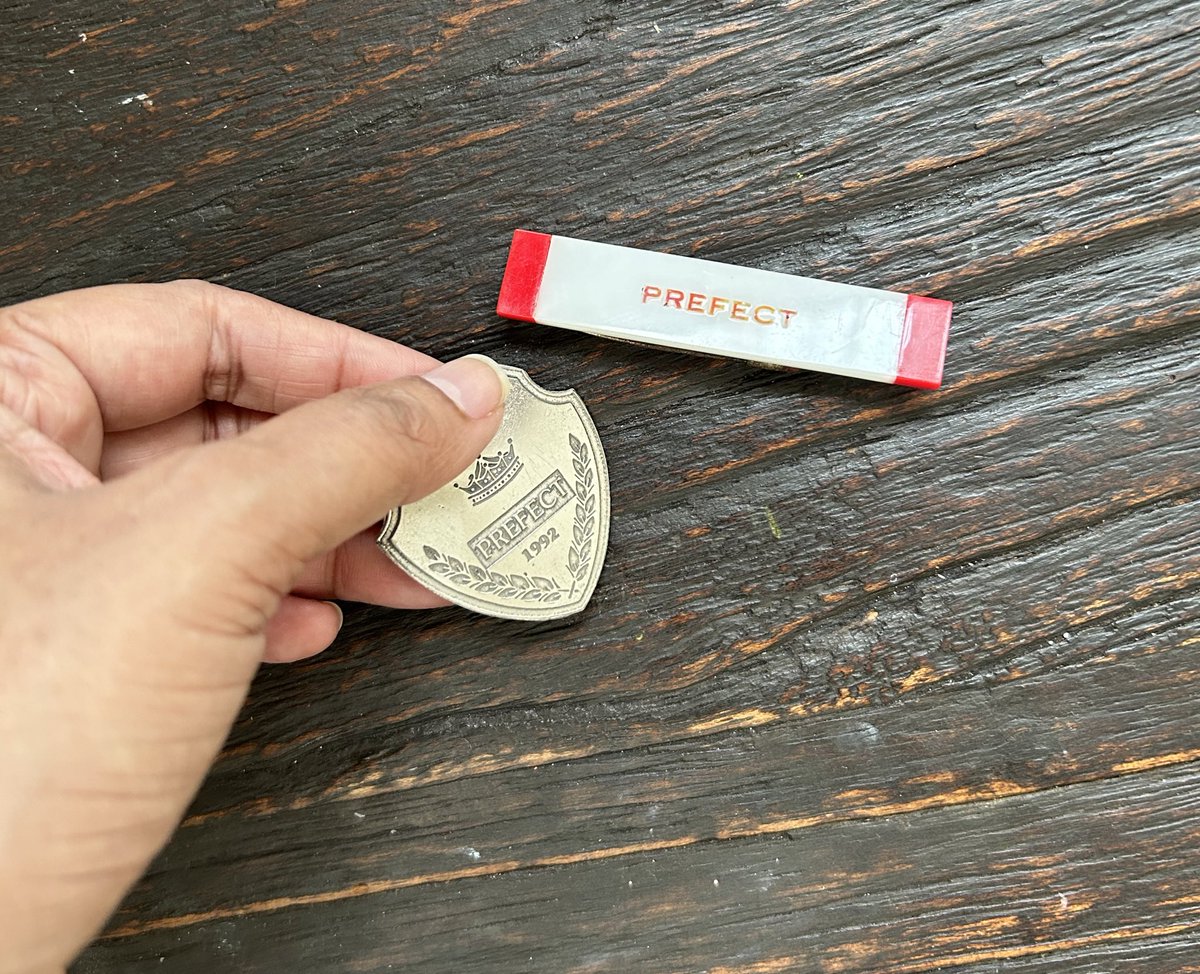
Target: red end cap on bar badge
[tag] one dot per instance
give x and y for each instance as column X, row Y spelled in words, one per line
column 923, row 352
column 523, row 275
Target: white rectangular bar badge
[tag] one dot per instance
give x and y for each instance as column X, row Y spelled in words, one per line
column 721, row 309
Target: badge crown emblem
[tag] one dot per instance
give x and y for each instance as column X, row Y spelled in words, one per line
column 491, row 474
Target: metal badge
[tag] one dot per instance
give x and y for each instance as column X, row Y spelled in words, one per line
column 522, row 533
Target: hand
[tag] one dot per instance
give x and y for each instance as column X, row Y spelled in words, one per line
column 162, row 532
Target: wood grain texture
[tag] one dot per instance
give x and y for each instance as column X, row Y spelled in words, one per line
column 873, row 680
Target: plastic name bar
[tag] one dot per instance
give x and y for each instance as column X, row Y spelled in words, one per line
column 721, row 309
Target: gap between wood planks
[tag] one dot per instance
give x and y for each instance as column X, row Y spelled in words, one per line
column 993, row 954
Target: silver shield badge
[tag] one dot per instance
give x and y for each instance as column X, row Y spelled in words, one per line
column 522, row 533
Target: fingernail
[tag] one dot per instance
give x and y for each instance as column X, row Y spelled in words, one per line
column 474, row 383
column 341, row 614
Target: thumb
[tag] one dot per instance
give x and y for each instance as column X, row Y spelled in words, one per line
column 300, row 484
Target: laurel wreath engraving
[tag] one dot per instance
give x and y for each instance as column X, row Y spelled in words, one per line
column 579, row 559
column 527, row 588
column 535, row 588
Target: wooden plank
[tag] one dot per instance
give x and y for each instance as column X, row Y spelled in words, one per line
column 1048, row 875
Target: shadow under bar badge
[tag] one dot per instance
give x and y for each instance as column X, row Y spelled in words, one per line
column 720, row 309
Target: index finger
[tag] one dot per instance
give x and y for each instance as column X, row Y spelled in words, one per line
column 152, row 351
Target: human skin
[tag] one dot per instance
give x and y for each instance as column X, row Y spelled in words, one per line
column 187, row 475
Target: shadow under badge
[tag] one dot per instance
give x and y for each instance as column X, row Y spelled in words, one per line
column 522, row 533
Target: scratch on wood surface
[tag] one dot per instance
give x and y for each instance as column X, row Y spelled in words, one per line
column 772, row 966
column 955, row 935
column 1051, row 947
column 142, row 194
column 734, row 721
column 923, row 676
column 958, row 796
column 89, row 35
column 1192, row 900
column 1156, row 761
column 383, row 886
column 684, row 70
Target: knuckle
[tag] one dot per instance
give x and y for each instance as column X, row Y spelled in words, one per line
column 19, row 324
column 409, row 420
column 38, row 381
column 194, row 289
column 418, row 437
column 202, row 300
column 15, row 360
column 11, row 320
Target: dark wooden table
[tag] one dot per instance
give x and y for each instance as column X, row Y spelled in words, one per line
column 874, row 680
